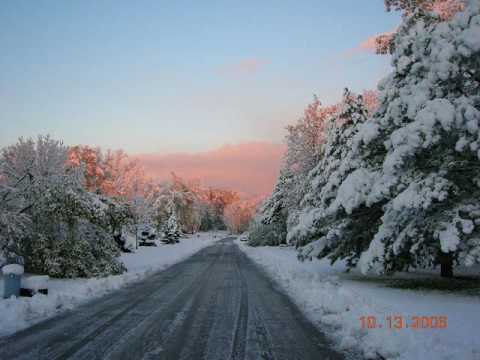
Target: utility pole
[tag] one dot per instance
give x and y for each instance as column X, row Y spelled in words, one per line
column 135, row 204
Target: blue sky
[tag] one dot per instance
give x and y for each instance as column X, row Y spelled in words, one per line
column 167, row 76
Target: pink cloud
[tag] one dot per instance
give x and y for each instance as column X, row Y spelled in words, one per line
column 368, row 45
column 250, row 168
column 249, row 66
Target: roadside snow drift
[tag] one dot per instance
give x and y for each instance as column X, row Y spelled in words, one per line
column 335, row 304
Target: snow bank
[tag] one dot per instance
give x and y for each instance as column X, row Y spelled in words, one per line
column 335, row 302
column 19, row 313
column 36, row 283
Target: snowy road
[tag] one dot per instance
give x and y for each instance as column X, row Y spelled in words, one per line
column 215, row 305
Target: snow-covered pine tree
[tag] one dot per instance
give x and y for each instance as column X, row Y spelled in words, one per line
column 328, row 228
column 445, row 9
column 304, row 141
column 269, row 227
column 172, row 230
column 424, row 161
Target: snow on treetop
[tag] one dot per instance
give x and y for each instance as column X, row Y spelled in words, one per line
column 12, row 269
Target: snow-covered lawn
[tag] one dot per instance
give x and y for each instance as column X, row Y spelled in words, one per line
column 336, row 301
column 19, row 313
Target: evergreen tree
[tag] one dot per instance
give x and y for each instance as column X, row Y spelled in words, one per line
column 305, row 141
column 327, row 226
column 172, row 232
column 269, row 227
column 423, row 162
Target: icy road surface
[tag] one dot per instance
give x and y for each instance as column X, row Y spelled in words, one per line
column 215, row 305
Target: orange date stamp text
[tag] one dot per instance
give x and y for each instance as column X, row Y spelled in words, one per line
column 400, row 322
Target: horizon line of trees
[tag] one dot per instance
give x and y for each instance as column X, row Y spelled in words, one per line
column 67, row 211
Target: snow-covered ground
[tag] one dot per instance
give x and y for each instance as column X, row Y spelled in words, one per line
column 335, row 301
column 19, row 313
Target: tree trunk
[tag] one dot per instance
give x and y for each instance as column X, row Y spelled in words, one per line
column 446, row 264
column 72, row 231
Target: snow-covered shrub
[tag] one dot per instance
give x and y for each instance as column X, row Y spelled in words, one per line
column 271, row 234
column 50, row 220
